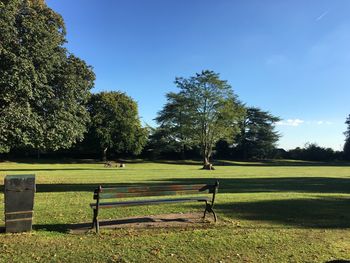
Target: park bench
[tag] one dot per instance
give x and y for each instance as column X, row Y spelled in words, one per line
column 102, row 193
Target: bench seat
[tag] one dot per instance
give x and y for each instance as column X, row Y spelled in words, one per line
column 149, row 202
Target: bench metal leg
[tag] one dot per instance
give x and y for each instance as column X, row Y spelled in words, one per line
column 215, row 218
column 209, row 208
column 95, row 223
column 206, row 209
column 97, row 226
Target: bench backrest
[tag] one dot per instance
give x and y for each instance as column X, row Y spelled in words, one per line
column 156, row 190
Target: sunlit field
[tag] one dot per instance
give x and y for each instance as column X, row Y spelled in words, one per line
column 268, row 212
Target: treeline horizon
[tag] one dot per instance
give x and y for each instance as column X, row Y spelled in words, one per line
column 222, row 151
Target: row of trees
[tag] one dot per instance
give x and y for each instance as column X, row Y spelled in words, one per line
column 312, row 152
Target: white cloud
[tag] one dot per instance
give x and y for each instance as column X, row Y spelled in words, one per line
column 290, row 122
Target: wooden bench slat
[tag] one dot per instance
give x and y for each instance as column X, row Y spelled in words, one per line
column 154, row 188
column 149, row 202
column 104, row 195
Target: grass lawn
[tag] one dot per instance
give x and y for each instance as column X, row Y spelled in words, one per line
column 268, row 212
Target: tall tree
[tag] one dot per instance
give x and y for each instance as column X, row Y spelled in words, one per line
column 175, row 123
column 43, row 88
column 258, row 137
column 115, row 124
column 209, row 111
column 347, row 139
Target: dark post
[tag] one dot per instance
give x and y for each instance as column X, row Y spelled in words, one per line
column 19, row 202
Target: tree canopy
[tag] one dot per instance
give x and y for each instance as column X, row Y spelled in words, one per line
column 313, row 152
column 43, row 87
column 202, row 112
column 115, row 124
column 258, row 137
column 175, row 119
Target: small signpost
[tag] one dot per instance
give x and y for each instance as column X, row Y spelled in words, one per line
column 19, row 202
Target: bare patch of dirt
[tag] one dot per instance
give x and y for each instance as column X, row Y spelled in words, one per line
column 152, row 221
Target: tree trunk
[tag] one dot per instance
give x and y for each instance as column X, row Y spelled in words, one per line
column 38, row 153
column 206, row 164
column 104, row 156
column 206, row 160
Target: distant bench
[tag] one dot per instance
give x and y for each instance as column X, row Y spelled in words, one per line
column 160, row 190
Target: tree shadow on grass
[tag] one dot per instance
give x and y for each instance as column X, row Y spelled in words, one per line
column 60, row 169
column 305, row 213
column 227, row 185
column 52, row 188
column 273, row 184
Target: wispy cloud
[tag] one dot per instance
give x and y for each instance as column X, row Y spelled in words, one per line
column 323, row 122
column 318, row 122
column 298, row 122
column 290, row 122
column 321, row 16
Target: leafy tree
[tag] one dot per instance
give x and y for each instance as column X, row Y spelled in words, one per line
column 258, row 137
column 313, row 152
column 296, row 153
column 43, row 88
column 204, row 111
column 347, row 140
column 175, row 121
column 115, row 124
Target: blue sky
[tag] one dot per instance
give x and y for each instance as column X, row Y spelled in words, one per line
column 291, row 58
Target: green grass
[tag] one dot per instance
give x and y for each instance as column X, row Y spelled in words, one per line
column 269, row 212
